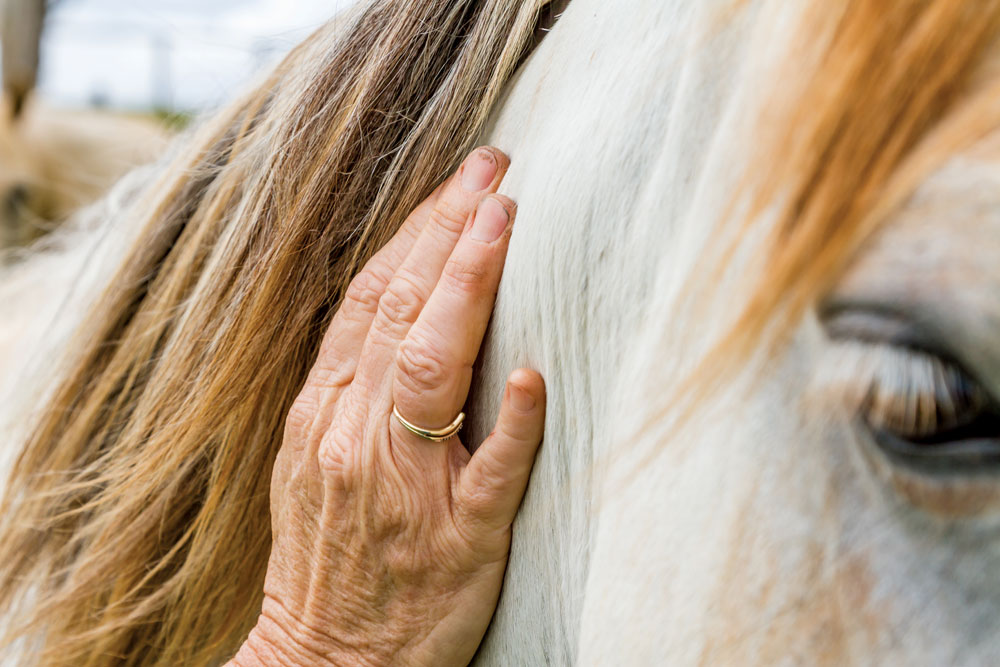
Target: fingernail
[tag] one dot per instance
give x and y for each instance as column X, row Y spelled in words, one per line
column 520, row 399
column 479, row 170
column 491, row 221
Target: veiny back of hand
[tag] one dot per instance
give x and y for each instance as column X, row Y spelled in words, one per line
column 390, row 548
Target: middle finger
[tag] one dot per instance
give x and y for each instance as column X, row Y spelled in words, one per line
column 413, row 282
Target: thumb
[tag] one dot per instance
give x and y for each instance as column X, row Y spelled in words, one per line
column 494, row 481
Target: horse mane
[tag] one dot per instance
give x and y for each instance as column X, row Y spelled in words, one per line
column 135, row 523
column 135, row 527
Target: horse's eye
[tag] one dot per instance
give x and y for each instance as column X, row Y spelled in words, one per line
column 920, row 406
column 16, row 198
column 930, row 412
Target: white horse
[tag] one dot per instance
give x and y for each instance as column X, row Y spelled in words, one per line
column 769, row 529
column 770, row 525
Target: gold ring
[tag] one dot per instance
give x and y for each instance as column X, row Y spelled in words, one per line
column 436, row 435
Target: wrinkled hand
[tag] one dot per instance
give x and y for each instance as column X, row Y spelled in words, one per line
column 389, row 548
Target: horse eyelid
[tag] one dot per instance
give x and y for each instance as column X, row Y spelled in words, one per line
column 879, row 323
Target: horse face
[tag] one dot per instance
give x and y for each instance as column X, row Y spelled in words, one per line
column 24, row 210
column 844, row 506
column 24, row 206
column 53, row 162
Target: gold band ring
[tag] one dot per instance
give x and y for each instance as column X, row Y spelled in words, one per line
column 436, row 435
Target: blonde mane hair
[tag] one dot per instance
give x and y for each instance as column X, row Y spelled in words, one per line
column 135, row 526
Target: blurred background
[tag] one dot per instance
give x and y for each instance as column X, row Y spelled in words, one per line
column 170, row 55
column 94, row 88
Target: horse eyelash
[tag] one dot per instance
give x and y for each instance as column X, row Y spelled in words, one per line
column 908, row 392
column 931, row 397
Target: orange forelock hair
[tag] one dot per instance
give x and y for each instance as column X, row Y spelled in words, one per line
column 870, row 98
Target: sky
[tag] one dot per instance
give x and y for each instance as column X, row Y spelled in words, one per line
column 175, row 54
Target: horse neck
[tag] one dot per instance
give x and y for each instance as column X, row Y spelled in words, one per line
column 614, row 128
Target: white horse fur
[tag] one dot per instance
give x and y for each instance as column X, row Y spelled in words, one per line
column 767, row 529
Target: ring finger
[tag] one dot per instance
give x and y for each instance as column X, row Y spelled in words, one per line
column 434, row 362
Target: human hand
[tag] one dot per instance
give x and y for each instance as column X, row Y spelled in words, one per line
column 390, row 548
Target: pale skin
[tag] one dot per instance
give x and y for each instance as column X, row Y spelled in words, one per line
column 389, row 548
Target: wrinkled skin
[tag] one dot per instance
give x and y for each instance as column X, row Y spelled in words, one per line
column 389, row 548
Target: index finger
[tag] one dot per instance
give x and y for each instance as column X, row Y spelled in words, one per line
column 337, row 361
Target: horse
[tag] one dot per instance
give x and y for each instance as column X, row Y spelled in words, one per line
column 54, row 162
column 771, row 434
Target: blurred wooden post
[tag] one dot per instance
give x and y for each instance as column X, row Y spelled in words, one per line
column 21, row 34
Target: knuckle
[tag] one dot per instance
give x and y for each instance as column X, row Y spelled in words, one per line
column 420, row 367
column 449, row 215
column 300, row 417
column 475, row 505
column 337, row 449
column 401, row 303
column 394, row 514
column 333, row 378
column 493, row 476
column 334, row 453
column 465, row 277
column 479, row 525
column 365, row 291
column 513, row 431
